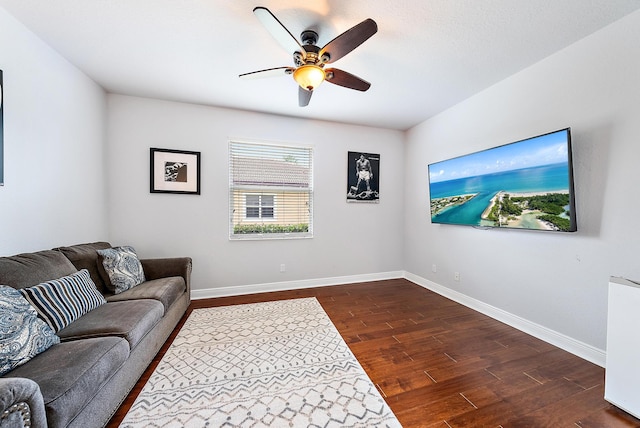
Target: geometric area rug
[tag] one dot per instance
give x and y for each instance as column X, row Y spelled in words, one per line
column 271, row 364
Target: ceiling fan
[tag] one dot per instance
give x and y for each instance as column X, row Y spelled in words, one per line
column 309, row 59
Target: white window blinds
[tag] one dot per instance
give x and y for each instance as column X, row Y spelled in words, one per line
column 270, row 191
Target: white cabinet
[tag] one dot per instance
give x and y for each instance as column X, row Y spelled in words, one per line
column 622, row 379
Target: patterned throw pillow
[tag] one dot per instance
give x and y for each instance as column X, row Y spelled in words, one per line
column 61, row 301
column 122, row 268
column 22, row 334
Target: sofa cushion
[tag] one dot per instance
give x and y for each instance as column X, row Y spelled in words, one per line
column 22, row 334
column 71, row 373
column 164, row 290
column 120, row 267
column 25, row 270
column 131, row 320
column 61, row 301
column 85, row 256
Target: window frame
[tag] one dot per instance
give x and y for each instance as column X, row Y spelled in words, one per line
column 291, row 199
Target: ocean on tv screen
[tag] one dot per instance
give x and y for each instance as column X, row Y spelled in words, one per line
column 529, row 198
column 535, row 197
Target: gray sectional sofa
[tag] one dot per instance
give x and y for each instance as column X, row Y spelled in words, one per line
column 81, row 381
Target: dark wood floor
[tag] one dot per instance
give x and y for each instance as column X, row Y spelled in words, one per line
column 440, row 364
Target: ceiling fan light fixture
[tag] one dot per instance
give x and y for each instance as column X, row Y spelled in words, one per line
column 309, row 76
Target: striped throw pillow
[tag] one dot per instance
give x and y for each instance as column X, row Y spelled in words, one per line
column 60, row 302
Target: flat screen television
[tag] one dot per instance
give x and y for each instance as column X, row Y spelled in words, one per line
column 527, row 184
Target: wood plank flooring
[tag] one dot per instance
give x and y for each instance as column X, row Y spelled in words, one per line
column 439, row 364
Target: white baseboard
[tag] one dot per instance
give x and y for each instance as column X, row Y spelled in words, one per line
column 291, row 285
column 569, row 344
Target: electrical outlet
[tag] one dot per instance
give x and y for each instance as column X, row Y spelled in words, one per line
column 434, row 268
column 283, row 268
column 456, row 276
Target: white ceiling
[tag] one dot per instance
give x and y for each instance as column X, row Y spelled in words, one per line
column 427, row 55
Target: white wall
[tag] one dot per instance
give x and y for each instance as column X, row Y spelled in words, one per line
column 558, row 281
column 54, row 192
column 350, row 239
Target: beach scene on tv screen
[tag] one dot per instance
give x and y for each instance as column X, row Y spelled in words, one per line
column 520, row 185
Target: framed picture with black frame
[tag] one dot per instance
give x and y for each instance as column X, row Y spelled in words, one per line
column 363, row 177
column 174, row 171
column 1, row 131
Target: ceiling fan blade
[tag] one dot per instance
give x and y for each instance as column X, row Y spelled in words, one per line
column 279, row 31
column 348, row 80
column 269, row 72
column 349, row 40
column 304, row 97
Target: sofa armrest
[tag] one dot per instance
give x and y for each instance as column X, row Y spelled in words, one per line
column 163, row 268
column 21, row 403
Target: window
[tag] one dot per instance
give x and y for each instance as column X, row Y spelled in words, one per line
column 270, row 191
column 259, row 206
